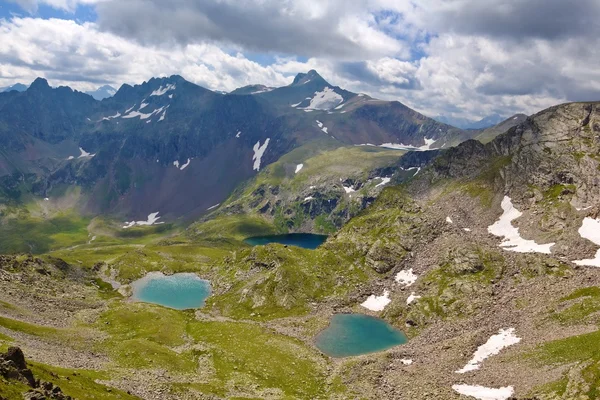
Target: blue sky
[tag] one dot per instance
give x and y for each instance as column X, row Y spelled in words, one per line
column 460, row 58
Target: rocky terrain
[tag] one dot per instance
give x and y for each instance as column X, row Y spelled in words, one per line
column 481, row 258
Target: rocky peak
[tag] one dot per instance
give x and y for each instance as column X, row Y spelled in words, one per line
column 38, row 85
column 311, row 76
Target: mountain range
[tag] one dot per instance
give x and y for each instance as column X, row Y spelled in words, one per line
column 132, row 151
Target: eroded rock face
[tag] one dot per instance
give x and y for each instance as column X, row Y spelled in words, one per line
column 14, row 367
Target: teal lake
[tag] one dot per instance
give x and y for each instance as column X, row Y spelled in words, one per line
column 179, row 291
column 304, row 240
column 356, row 334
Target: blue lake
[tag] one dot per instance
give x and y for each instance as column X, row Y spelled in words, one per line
column 179, row 291
column 356, row 334
column 304, row 240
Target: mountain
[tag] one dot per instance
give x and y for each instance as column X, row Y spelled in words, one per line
column 103, row 92
column 464, row 123
column 19, row 87
column 490, row 133
column 130, row 152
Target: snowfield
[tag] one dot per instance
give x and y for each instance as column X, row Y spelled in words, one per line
column 162, row 90
column 504, row 339
column 152, row 220
column 326, row 100
column 377, row 303
column 483, row 393
column 258, row 153
column 406, row 278
column 512, row 238
column 590, row 230
column 412, row 298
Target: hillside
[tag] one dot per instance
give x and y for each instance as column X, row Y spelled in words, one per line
column 488, row 243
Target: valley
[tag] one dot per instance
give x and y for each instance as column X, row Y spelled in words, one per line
column 473, row 259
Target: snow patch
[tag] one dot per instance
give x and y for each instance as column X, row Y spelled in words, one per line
column 401, row 146
column 46, row 199
column 406, row 361
column 84, row 154
column 484, row 393
column 512, row 238
column 466, row 229
column 384, row 181
column 590, row 230
column 237, row 135
column 449, row 220
column 324, row 129
column 117, row 115
column 412, row 298
column 504, row 339
column 325, row 100
column 296, row 105
column 320, row 124
column 406, row 278
column 152, row 220
column 70, row 158
column 309, row 198
column 299, row 168
column 135, row 114
column 258, row 153
column 162, row 90
column 184, row 166
column 348, row 189
column 377, row 303
column 213, row 207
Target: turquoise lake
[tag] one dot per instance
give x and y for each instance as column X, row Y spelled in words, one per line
column 304, row 240
column 356, row 334
column 179, row 291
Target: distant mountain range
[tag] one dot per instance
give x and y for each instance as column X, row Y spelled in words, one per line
column 464, row 123
column 19, row 87
column 173, row 147
column 103, row 92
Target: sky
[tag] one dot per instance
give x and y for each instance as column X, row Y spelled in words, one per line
column 457, row 58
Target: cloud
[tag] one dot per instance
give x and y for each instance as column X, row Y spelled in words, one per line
column 333, row 28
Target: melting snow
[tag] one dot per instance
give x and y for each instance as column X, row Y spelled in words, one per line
column 296, row 105
column 70, row 158
column 238, row 134
column 483, row 393
column 134, row 114
column 84, row 153
column 320, row 124
column 299, row 168
column 117, row 115
column 590, row 229
column 176, row 163
column 406, row 278
column 512, row 238
column 412, row 298
column 258, row 153
column 162, row 117
column 504, row 338
column 184, row 166
column 309, row 198
column 213, row 207
column 152, row 218
column 400, row 146
column 377, row 303
column 129, row 109
column 348, row 189
column 162, row 90
column 324, row 129
column 325, row 100
column 142, row 106
column 384, row 181
column 449, row 220
column 466, row 229
column 406, row 361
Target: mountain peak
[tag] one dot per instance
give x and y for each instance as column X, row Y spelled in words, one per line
column 311, row 75
column 39, row 84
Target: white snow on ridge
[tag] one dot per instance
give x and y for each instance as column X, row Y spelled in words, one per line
column 590, row 230
column 504, row 338
column 184, row 166
column 384, row 181
column 162, row 90
column 377, row 303
column 406, row 278
column 348, row 189
column 483, row 393
column 512, row 238
column 325, row 100
column 258, row 153
column 412, row 298
column 84, row 154
column 152, row 220
column 299, row 168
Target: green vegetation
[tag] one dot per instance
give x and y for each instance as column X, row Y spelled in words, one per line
column 583, row 306
column 229, row 229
